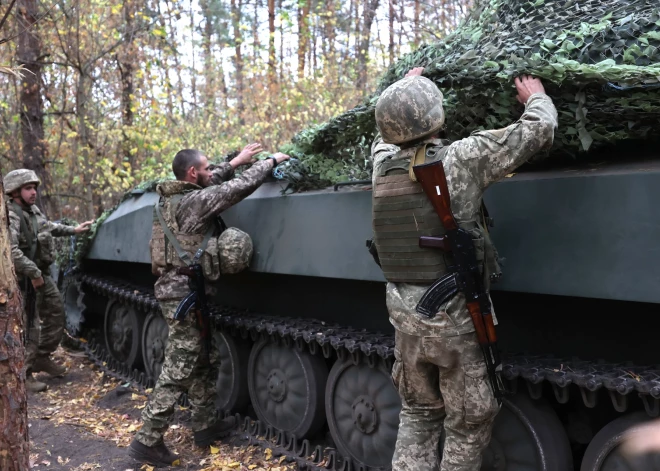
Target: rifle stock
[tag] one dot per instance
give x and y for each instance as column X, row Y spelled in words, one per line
column 434, row 182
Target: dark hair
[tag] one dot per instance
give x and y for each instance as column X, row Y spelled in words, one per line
column 183, row 160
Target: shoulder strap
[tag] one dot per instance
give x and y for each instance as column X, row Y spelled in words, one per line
column 183, row 255
column 32, row 246
column 430, row 152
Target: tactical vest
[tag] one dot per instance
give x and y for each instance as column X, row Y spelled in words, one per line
column 203, row 248
column 401, row 213
column 39, row 247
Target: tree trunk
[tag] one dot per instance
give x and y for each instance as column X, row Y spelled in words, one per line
column 255, row 31
column 238, row 58
column 14, row 443
column 209, row 63
column 369, row 13
column 416, row 22
column 281, row 44
column 303, row 36
column 126, row 61
column 82, row 95
column 32, row 115
column 391, row 30
column 271, row 43
column 193, row 71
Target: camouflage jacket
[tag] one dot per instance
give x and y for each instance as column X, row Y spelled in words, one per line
column 45, row 245
column 201, row 206
column 471, row 165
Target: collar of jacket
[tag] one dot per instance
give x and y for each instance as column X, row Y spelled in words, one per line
column 174, row 187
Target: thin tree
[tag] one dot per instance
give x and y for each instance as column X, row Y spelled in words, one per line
column 31, row 102
column 362, row 53
column 303, row 35
column 238, row 57
column 14, row 443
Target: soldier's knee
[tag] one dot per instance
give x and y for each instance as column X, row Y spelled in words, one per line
column 480, row 405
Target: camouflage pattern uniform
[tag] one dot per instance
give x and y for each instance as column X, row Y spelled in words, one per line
column 183, row 369
column 48, row 328
column 439, row 370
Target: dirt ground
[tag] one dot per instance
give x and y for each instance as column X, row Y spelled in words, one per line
column 86, row 420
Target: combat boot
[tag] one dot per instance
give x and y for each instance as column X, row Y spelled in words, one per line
column 216, row 431
column 33, row 385
column 157, row 455
column 47, row 365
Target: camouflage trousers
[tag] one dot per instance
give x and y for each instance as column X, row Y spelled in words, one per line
column 184, row 370
column 46, row 333
column 442, row 382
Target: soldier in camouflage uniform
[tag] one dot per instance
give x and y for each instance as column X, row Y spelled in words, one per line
column 439, row 369
column 33, row 251
column 189, row 208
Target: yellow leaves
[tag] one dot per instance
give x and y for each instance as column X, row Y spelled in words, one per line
column 146, row 467
column 215, row 450
column 269, row 454
column 116, row 9
column 159, row 31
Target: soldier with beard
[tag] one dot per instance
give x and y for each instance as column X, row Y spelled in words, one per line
column 186, row 223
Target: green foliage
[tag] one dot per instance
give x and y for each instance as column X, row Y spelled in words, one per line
column 599, row 59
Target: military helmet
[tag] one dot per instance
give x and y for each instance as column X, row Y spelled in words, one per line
column 16, row 179
column 235, row 247
column 409, row 109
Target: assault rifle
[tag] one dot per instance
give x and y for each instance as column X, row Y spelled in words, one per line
column 466, row 275
column 196, row 300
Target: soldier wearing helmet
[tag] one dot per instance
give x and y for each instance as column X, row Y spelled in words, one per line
column 33, row 251
column 187, row 222
column 439, row 369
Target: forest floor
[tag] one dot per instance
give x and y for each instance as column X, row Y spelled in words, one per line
column 86, row 420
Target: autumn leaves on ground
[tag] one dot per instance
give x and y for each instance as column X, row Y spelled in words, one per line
column 85, row 421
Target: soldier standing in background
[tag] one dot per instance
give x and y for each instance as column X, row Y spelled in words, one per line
column 33, row 251
column 439, row 369
column 186, row 223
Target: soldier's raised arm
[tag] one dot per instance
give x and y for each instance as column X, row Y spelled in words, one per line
column 208, row 203
column 225, row 171
column 490, row 155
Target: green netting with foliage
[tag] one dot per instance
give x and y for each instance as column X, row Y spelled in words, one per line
column 599, row 60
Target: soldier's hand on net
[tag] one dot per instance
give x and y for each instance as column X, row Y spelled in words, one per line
column 415, row 71
column 38, row 282
column 246, row 156
column 84, row 227
column 280, row 157
column 527, row 86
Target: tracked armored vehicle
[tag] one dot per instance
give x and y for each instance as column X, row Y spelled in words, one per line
column 306, row 343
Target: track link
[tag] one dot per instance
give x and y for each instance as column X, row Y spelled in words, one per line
column 590, row 377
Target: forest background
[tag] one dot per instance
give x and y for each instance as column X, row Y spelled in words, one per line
column 112, row 89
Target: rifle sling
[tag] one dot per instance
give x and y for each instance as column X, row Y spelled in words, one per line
column 183, row 255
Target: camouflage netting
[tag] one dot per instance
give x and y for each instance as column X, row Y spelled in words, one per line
column 599, row 60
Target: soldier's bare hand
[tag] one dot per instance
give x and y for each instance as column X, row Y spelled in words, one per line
column 527, row 86
column 247, row 155
column 415, row 71
column 38, row 282
column 280, row 157
column 84, row 227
